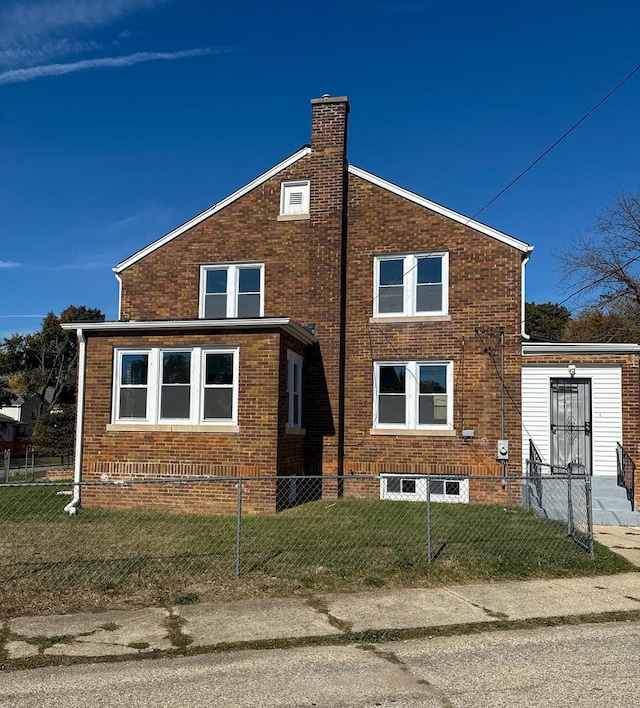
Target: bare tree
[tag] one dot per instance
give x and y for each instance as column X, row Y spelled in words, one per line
column 602, row 268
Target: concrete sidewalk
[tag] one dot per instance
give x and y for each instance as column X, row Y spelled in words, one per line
column 321, row 616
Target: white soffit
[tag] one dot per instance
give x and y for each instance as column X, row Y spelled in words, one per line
column 439, row 209
column 138, row 255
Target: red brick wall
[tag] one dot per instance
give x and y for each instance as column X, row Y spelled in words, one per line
column 117, row 455
column 484, row 293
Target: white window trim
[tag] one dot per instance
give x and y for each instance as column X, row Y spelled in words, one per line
column 293, row 358
column 233, row 279
column 410, row 278
column 412, row 395
column 421, row 489
column 285, row 188
column 154, row 387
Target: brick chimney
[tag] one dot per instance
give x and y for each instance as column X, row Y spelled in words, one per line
column 327, row 274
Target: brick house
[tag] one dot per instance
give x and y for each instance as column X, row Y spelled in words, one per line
column 320, row 320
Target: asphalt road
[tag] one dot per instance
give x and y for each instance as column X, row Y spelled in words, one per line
column 587, row 665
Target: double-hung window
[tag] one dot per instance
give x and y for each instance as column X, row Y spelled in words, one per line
column 232, row 290
column 413, row 395
column 294, row 390
column 411, row 285
column 192, row 386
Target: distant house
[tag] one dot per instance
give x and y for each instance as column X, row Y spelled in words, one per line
column 25, row 409
column 319, row 320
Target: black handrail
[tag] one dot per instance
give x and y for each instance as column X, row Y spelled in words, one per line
column 626, row 473
column 535, row 468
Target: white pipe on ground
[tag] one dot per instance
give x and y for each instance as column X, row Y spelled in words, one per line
column 72, row 507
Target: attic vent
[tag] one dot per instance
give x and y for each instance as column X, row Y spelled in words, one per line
column 294, row 198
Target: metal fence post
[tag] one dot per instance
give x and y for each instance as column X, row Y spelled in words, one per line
column 569, row 504
column 588, row 491
column 238, row 527
column 428, row 521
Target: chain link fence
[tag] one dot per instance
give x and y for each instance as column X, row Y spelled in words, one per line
column 136, row 542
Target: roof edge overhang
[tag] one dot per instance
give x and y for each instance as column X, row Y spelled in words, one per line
column 143, row 252
column 257, row 323
column 439, row 209
column 532, row 348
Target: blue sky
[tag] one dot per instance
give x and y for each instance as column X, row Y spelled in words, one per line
column 120, row 120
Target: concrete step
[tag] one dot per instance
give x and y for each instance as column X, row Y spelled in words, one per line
column 616, row 504
column 602, row 517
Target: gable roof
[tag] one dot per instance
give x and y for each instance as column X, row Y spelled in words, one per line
column 139, row 255
column 358, row 172
column 439, row 209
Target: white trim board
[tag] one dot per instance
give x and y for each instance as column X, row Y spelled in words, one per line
column 439, row 209
column 139, row 255
column 533, row 348
column 284, row 323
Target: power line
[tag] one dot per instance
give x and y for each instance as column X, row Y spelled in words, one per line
column 525, row 171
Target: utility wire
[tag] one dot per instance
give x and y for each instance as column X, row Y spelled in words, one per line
column 527, row 169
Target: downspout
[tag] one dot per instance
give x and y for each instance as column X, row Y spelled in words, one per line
column 119, row 279
column 523, row 303
column 72, row 507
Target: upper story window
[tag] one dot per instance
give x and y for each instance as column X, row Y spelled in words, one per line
column 411, row 285
column 294, row 198
column 294, row 390
column 191, row 386
column 413, row 395
column 234, row 290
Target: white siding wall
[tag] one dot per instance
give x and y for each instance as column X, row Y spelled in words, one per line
column 606, row 407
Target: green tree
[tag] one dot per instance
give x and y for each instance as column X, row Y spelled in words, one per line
column 546, row 320
column 54, row 431
column 44, row 364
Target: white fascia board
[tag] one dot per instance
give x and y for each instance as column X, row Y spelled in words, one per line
column 131, row 326
column 138, row 255
column 533, row 348
column 439, row 209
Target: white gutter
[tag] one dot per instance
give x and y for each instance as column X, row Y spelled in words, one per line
column 72, row 507
column 533, row 348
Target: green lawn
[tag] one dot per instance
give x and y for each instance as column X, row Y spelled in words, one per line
column 52, row 562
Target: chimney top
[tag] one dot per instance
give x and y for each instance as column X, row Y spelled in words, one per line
column 326, row 98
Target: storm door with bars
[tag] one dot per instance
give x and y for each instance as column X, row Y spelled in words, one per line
column 571, row 425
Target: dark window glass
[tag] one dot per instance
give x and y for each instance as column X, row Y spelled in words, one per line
column 134, row 369
column 408, row 486
column 133, row 403
column 392, row 379
column 249, row 280
column 429, row 270
column 391, row 409
column 217, row 281
column 391, row 272
column 215, row 307
column 248, row 305
column 176, row 367
column 429, row 298
column 436, row 486
column 432, row 410
column 218, row 403
column 176, row 402
column 393, row 485
column 391, row 299
column 219, row 369
column 433, row 379
column 453, row 488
